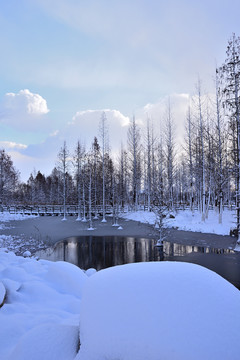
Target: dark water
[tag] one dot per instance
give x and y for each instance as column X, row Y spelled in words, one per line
column 102, row 252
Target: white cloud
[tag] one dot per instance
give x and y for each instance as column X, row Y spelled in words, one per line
column 85, row 125
column 23, row 110
column 26, row 101
column 157, row 113
column 10, row 145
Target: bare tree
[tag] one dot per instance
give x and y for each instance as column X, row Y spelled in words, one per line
column 219, row 127
column 104, row 140
column 78, row 162
column 134, row 160
column 9, row 177
column 170, row 153
column 190, row 157
column 202, row 151
column 63, row 156
column 230, row 73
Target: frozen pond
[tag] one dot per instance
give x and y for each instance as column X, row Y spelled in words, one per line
column 102, row 252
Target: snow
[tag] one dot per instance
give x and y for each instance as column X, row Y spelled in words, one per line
column 90, row 271
column 6, row 217
column 27, row 253
column 188, row 221
column 41, row 311
column 17, row 243
column 2, row 293
column 159, row 311
column 58, row 342
column 135, row 311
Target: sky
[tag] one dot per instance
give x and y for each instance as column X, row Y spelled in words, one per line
column 63, row 62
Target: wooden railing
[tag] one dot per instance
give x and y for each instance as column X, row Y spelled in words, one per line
column 49, row 210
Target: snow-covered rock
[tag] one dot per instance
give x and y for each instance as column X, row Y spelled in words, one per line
column 159, row 311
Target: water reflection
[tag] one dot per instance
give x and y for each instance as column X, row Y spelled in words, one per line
column 173, row 249
column 102, row 252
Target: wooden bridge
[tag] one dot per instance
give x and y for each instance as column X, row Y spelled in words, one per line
column 50, row 210
column 54, row 210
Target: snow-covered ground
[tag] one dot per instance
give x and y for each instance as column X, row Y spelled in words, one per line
column 140, row 311
column 40, row 316
column 6, row 217
column 18, row 244
column 186, row 220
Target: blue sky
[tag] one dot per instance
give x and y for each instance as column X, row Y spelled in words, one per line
column 62, row 58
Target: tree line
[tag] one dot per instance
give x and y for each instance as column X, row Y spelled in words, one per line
column 151, row 169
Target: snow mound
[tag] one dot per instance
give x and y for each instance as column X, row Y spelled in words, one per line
column 58, row 342
column 27, row 253
column 159, row 311
column 66, row 277
column 39, row 293
column 2, row 294
column 90, row 271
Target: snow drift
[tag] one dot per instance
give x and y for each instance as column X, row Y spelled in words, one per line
column 159, row 311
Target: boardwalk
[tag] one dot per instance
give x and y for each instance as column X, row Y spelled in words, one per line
column 49, row 210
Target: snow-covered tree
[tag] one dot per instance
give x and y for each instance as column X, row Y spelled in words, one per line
column 230, row 72
column 78, row 163
column 170, row 154
column 63, row 156
column 134, row 147
column 9, row 178
column 103, row 130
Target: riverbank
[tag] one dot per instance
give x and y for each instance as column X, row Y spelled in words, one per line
column 47, row 230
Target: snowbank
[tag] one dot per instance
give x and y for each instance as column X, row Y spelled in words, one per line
column 137, row 311
column 5, row 217
column 47, row 342
column 159, row 311
column 40, row 317
column 17, row 243
column 188, row 221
